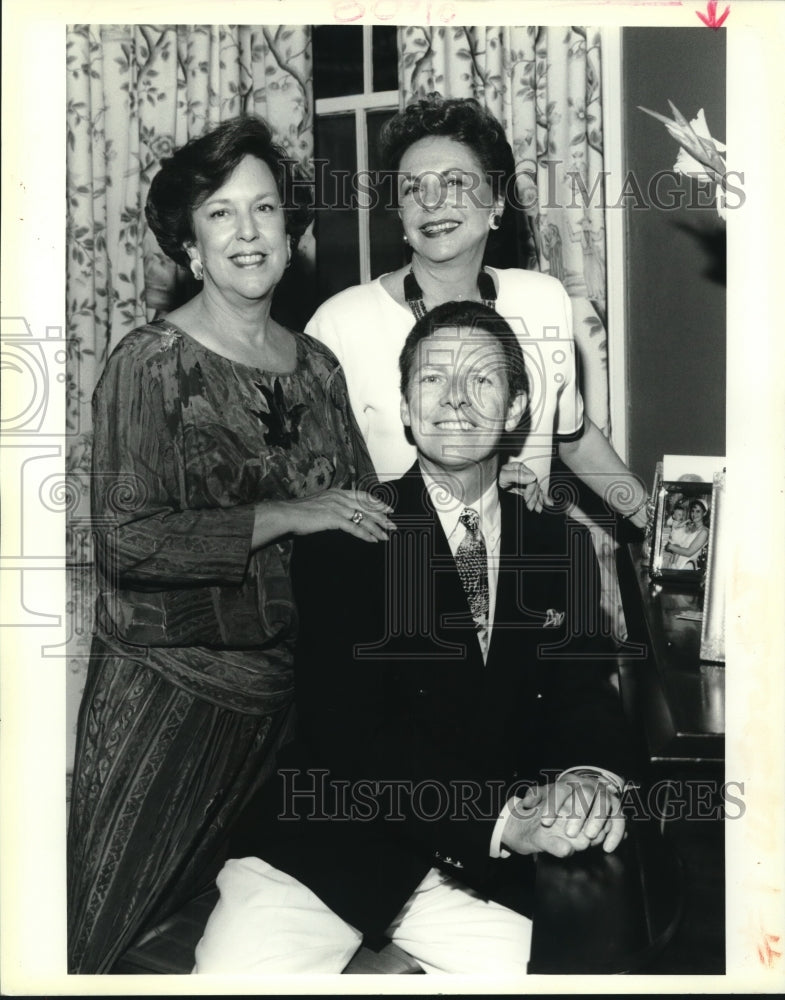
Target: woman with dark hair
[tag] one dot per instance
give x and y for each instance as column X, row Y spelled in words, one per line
column 219, row 435
column 694, row 538
column 455, row 172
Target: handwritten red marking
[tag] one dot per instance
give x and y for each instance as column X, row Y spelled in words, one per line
column 346, row 11
column 766, row 953
column 710, row 19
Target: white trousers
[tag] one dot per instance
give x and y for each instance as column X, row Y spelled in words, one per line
column 268, row 923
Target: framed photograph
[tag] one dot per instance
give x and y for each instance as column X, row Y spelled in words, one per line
column 651, row 509
column 651, row 506
column 713, row 624
column 680, row 540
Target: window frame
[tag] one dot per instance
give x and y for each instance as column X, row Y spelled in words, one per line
column 359, row 105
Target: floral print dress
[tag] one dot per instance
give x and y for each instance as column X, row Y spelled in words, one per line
column 190, row 684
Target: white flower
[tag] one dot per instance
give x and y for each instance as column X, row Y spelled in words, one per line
column 685, row 162
column 699, row 155
column 687, row 165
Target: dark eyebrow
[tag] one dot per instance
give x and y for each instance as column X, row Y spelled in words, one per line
column 441, row 173
column 272, row 192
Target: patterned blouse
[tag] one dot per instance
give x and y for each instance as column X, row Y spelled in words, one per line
column 186, row 443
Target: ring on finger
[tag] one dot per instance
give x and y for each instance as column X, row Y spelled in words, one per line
column 357, row 516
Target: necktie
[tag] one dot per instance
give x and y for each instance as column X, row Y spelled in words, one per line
column 471, row 560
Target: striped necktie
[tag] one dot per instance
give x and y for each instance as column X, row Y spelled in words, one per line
column 471, row 559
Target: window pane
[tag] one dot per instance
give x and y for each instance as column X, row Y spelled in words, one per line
column 336, row 231
column 337, row 60
column 388, row 251
column 385, row 58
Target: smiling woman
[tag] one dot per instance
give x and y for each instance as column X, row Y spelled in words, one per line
column 219, row 435
column 241, row 248
column 445, row 201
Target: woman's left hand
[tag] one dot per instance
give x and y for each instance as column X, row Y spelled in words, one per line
column 516, row 474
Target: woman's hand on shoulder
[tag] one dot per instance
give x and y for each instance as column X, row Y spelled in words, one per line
column 356, row 512
column 517, row 475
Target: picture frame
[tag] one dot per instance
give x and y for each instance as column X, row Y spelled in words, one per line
column 651, row 511
column 682, row 516
column 712, row 649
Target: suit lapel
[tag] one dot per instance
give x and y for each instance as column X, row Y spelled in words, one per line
column 530, row 586
column 506, row 609
column 448, row 607
column 531, row 593
column 517, row 619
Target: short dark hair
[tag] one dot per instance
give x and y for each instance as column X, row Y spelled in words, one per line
column 203, row 164
column 461, row 119
column 474, row 316
column 697, row 502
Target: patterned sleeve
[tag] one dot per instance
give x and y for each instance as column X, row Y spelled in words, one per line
column 345, row 428
column 146, row 538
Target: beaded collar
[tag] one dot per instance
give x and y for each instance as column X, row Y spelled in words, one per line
column 414, row 299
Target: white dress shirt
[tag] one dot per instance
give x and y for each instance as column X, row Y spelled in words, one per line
column 449, row 510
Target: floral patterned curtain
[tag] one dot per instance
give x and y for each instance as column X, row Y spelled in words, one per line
column 134, row 93
column 543, row 84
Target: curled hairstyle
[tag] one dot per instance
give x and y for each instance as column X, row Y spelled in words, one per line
column 473, row 316
column 461, row 119
column 197, row 169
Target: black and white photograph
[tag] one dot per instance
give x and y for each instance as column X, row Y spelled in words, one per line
column 367, row 608
column 680, row 546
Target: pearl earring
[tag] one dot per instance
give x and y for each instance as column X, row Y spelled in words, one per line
column 197, row 270
column 405, row 238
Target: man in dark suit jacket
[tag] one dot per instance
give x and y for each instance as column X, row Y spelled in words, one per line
column 455, row 715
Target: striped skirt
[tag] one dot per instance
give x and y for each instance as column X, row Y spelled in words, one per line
column 159, row 776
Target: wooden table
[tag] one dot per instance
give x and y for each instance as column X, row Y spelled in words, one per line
column 598, row 913
column 678, row 700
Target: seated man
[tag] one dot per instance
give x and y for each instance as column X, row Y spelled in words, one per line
column 446, row 681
